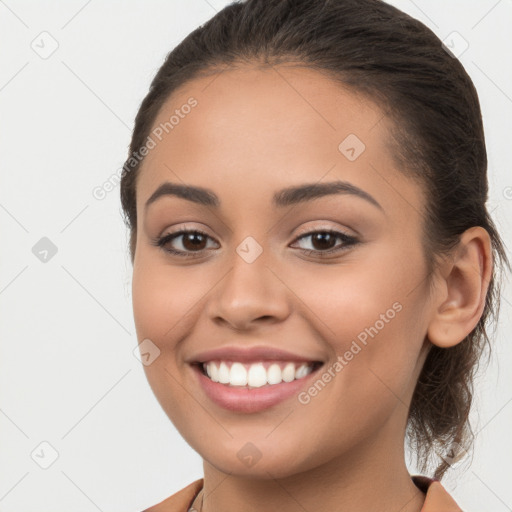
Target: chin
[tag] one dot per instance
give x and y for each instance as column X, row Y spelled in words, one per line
column 261, row 460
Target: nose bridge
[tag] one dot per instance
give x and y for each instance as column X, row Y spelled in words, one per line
column 249, row 290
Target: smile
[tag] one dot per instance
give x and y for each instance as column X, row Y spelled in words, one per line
column 257, row 374
column 253, row 387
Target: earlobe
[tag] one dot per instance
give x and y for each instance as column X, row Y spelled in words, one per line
column 461, row 292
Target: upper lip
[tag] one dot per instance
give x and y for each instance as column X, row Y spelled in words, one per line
column 249, row 354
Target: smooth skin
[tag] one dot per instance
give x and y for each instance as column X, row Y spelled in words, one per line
column 254, row 132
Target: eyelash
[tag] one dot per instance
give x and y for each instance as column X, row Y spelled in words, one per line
column 347, row 239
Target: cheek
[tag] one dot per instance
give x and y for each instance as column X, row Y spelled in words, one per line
column 164, row 300
column 167, row 302
column 369, row 328
column 350, row 299
column 374, row 327
column 372, row 294
column 161, row 298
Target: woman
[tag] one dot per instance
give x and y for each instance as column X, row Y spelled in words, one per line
column 313, row 260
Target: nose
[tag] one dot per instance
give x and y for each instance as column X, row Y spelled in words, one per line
column 248, row 295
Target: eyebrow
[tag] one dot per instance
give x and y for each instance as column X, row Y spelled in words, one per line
column 285, row 197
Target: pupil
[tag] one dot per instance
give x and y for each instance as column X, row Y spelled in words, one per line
column 323, row 238
column 195, row 239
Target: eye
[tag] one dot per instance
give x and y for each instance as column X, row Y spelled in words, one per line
column 191, row 241
column 194, row 242
column 325, row 241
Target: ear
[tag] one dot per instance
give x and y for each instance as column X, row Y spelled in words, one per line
column 462, row 289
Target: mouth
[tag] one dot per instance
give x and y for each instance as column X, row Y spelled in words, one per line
column 244, row 379
column 252, row 387
column 258, row 374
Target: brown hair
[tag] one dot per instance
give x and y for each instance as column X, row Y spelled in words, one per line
column 438, row 139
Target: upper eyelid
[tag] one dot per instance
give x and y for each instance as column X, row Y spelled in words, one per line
column 322, row 230
column 306, row 231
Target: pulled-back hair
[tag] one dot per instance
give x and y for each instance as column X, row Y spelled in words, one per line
column 376, row 50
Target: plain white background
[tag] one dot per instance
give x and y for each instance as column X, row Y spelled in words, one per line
column 68, row 376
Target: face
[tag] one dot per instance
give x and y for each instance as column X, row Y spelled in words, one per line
column 336, row 277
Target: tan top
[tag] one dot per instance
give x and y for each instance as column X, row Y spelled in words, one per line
column 437, row 498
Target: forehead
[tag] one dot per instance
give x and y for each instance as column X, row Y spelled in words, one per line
column 254, row 129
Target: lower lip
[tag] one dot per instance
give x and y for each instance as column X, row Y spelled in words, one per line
column 248, row 400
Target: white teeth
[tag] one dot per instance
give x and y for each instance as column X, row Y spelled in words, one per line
column 213, row 373
column 238, row 375
column 274, row 375
column 255, row 375
column 289, row 372
column 223, row 373
column 301, row 371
